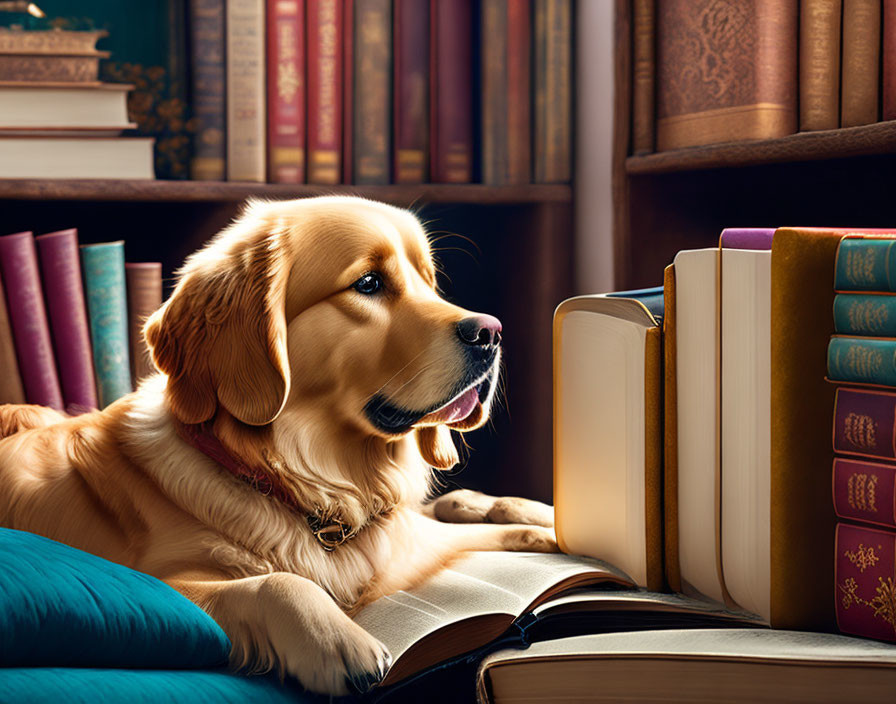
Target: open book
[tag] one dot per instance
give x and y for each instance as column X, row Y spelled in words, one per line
column 516, row 598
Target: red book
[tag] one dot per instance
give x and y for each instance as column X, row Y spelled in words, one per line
column 410, row 90
column 865, row 570
column 144, row 286
column 325, row 46
column 286, row 90
column 372, row 90
column 348, row 87
column 31, row 332
column 60, row 265
column 865, row 491
column 451, row 76
column 888, row 87
column 865, row 423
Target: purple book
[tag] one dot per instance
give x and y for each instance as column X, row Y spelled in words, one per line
column 865, row 423
column 61, row 268
column 25, row 302
column 747, row 238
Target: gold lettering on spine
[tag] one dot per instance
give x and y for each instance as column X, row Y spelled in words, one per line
column 863, row 557
column 868, row 316
column 288, row 79
column 328, row 124
column 862, row 492
column 859, row 431
column 860, row 266
column 863, row 361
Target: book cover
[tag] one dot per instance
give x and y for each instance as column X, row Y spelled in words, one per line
column 246, row 118
column 888, row 82
column 861, row 62
column 286, row 90
column 865, row 422
column 506, row 93
column 866, row 263
column 553, row 91
column 28, row 318
column 410, row 92
column 107, row 309
column 451, row 76
column 866, row 591
column 324, row 103
column 869, row 314
column 208, row 83
column 144, row 288
column 726, row 71
column 61, row 271
column 819, row 64
column 643, row 75
column 746, row 238
column 864, row 491
column 372, row 85
column 671, row 547
column 11, row 389
column 862, row 360
column 348, row 90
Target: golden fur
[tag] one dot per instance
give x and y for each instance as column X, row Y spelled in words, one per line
column 267, row 338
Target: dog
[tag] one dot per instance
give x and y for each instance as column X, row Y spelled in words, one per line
column 276, row 469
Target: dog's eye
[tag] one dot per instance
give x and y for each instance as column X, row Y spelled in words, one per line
column 369, row 284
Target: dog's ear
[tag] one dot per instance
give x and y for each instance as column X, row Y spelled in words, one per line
column 221, row 337
column 437, row 446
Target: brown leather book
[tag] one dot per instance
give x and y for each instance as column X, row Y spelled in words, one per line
column 11, row 390
column 726, row 71
column 888, row 86
column 819, row 64
column 144, row 281
column 324, row 31
column 643, row 75
column 861, row 61
column 411, row 90
column 553, row 91
column 670, row 434
column 372, row 114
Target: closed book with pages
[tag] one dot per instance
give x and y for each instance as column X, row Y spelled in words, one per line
column 286, row 90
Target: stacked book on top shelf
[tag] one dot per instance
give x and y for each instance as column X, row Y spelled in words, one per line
column 70, row 321
column 56, row 119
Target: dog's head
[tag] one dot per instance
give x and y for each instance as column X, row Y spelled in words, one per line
column 326, row 308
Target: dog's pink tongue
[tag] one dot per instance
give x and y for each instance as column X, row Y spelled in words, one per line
column 458, row 409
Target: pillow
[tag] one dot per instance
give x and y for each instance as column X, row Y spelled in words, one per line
column 61, row 606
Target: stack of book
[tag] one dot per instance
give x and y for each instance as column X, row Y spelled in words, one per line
column 56, row 119
column 70, row 321
column 861, row 365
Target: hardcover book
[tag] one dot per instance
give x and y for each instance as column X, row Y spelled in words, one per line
column 865, row 263
column 325, row 42
column 61, row 270
column 246, row 118
column 410, row 107
column 873, row 314
column 553, row 23
column 888, row 83
column 865, row 422
column 207, row 42
column 144, row 286
column 862, row 360
column 53, row 107
column 643, row 75
column 861, row 62
column 28, row 318
column 864, row 491
column 11, row 390
column 819, row 64
column 286, row 90
column 371, row 94
column 716, row 81
column 107, row 308
column 866, row 570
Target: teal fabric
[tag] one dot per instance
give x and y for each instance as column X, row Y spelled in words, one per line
column 63, row 607
column 51, row 685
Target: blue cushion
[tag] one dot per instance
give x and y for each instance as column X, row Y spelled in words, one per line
column 61, row 606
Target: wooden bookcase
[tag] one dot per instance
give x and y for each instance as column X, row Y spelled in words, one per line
column 682, row 199
column 512, row 258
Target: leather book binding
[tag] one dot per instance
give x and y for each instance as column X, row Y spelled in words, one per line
column 246, row 120
column 144, row 284
column 371, row 93
column 286, row 90
column 865, row 581
column 11, row 390
column 208, row 76
column 410, row 92
column 864, row 491
column 325, row 44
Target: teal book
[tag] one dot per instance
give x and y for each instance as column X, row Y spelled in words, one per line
column 862, row 360
column 865, row 264
column 107, row 309
column 864, row 314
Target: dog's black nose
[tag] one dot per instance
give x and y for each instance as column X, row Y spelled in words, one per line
column 480, row 330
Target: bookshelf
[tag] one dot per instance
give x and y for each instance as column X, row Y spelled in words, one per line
column 674, row 200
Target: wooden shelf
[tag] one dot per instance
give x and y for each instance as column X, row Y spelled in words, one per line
column 223, row 192
column 879, row 138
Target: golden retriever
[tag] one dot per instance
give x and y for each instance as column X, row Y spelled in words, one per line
column 276, row 470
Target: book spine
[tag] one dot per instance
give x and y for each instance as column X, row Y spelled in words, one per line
column 865, row 572
column 643, row 75
column 865, row 314
column 208, row 75
column 862, row 360
column 245, row 91
column 553, row 91
column 494, row 72
column 144, row 289
column 864, row 491
column 348, row 90
column 864, row 264
column 519, row 91
column 888, row 87
column 286, row 90
column 451, row 109
column 11, row 389
column 819, row 64
column 411, row 91
column 864, row 423
column 372, row 79
column 325, row 40
column 861, row 61
column 61, row 270
column 107, row 308
column 31, row 332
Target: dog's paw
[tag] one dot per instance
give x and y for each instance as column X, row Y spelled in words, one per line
column 511, row 509
column 530, row 539
column 465, row 506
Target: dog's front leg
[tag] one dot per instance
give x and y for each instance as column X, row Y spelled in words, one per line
column 466, row 506
column 288, row 623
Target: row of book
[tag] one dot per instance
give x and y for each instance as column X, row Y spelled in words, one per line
column 730, row 71
column 70, row 320
column 692, row 425
column 376, row 91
